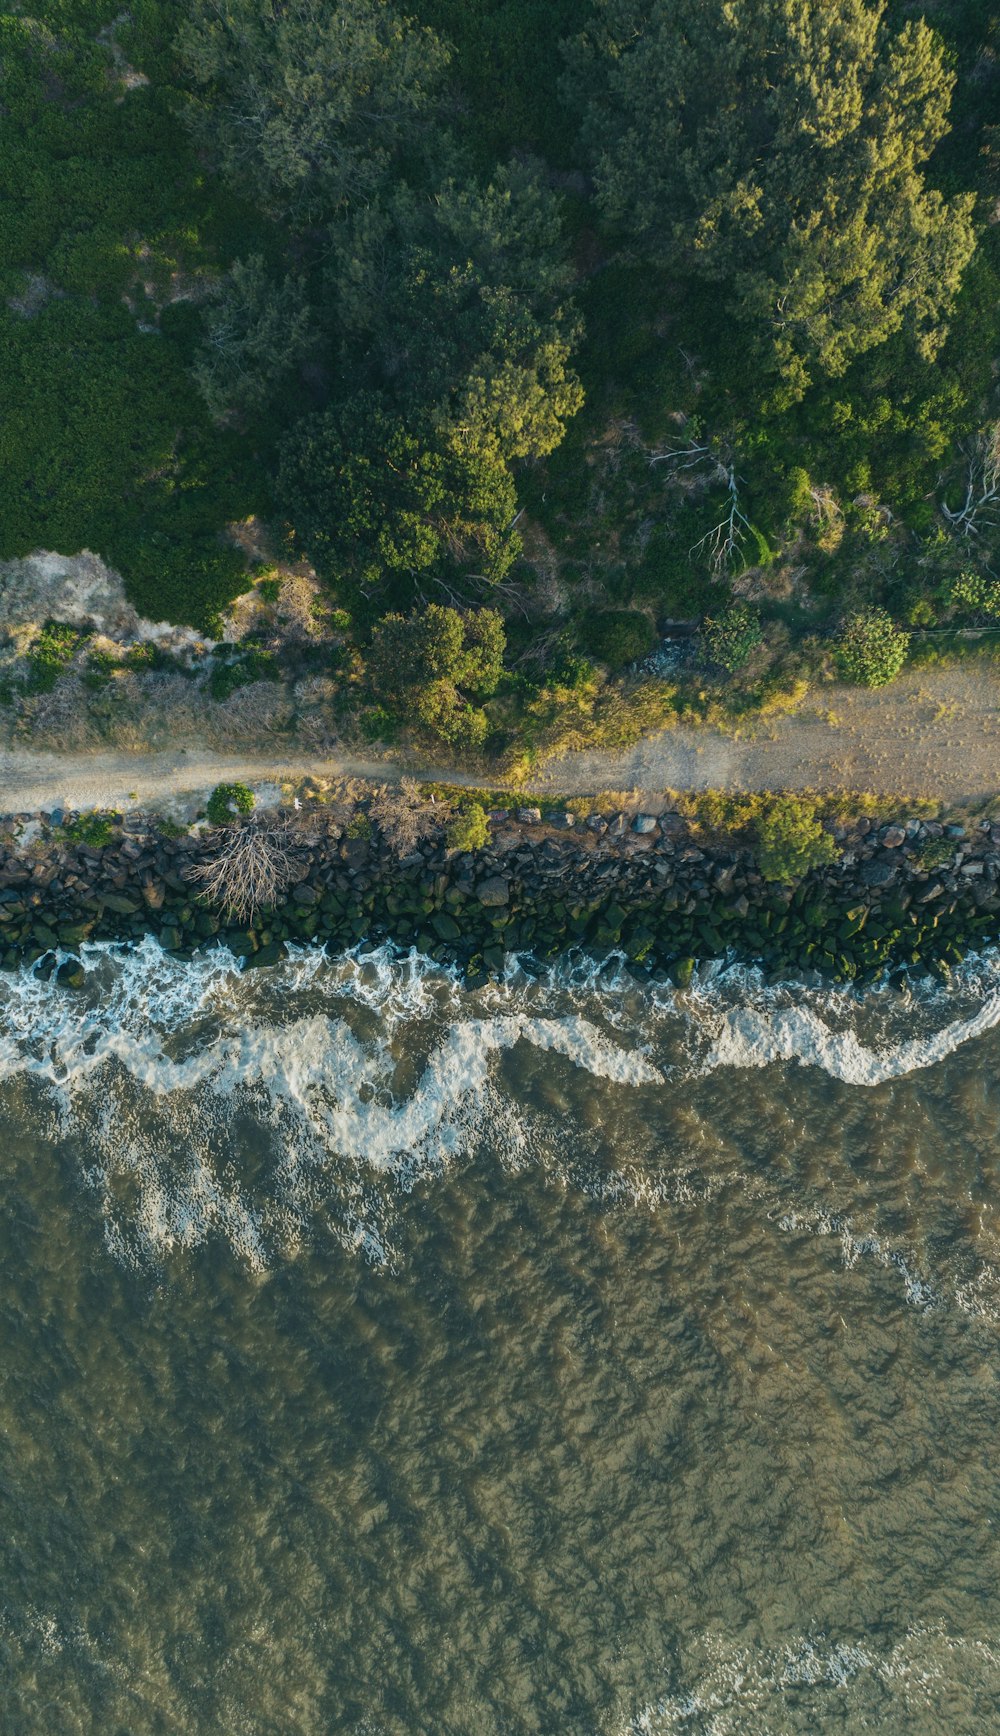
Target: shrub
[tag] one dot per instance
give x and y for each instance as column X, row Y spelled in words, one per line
column 54, row 648
column 226, row 678
column 469, row 828
column 731, row 637
column 974, row 594
column 871, row 649
column 618, row 636
column 790, row 839
column 94, row 829
column 227, row 801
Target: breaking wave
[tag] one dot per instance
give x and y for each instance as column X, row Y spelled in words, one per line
column 374, row 1068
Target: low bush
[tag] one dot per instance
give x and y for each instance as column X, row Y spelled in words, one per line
column 94, row 829
column 731, row 637
column 226, row 678
column 791, row 840
column 227, row 802
column 974, row 594
column 871, row 649
column 55, row 647
column 618, row 636
column 469, row 828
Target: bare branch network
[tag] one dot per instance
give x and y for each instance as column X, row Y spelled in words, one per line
column 250, row 870
column 981, row 506
column 724, row 542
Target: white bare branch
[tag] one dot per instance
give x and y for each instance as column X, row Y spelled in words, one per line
column 723, row 542
column 981, row 506
column 249, row 870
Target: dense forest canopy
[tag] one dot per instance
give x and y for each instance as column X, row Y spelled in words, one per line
column 588, row 317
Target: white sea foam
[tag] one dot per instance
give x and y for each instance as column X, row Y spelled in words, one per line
column 858, row 1245
column 758, row 1037
column 373, row 1066
column 856, row 1685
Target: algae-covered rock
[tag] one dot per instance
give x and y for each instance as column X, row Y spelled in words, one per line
column 272, row 953
column 121, row 905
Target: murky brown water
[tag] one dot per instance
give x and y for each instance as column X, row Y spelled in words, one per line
column 564, row 1358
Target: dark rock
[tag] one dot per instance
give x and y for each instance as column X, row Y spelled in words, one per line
column 71, row 974
column 272, row 953
column 120, row 904
column 303, row 893
column 875, row 873
column 493, row 892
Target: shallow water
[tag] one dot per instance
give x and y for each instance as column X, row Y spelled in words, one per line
column 567, row 1356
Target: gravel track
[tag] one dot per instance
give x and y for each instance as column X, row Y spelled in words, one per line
column 934, row 733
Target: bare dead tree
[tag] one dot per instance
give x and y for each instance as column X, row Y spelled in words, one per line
column 402, row 816
column 725, row 540
column 689, row 457
column 981, row 507
column 249, row 870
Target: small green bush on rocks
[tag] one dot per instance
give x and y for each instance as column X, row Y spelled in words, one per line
column 790, row 839
column 227, row 801
column 469, row 829
column 93, row 829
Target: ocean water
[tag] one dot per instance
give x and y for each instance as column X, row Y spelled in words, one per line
column 567, row 1356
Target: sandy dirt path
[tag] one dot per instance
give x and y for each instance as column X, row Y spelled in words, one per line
column 934, row 733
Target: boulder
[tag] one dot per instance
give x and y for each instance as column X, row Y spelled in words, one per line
column 876, row 873
column 493, row 892
column 529, row 816
column 644, row 823
column 120, row 904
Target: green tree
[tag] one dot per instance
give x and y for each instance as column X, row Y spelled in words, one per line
column 871, row 649
column 777, row 147
column 366, row 497
column 428, row 666
column 256, row 332
column 308, row 104
column 458, row 305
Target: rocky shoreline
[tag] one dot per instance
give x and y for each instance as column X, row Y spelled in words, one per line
column 912, row 893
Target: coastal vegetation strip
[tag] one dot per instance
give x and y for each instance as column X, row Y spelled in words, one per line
column 636, row 362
